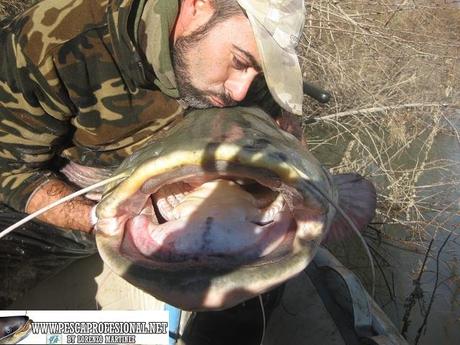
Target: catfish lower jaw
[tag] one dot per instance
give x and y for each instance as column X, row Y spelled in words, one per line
column 214, row 282
column 150, row 244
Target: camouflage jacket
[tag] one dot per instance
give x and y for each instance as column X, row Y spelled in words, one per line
column 74, row 84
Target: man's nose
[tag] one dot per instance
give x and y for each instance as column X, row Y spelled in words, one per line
column 238, row 84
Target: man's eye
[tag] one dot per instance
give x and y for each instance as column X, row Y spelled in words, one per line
column 239, row 65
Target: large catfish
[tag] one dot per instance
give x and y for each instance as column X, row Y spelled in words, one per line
column 224, row 207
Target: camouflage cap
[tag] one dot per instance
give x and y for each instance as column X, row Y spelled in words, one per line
column 277, row 26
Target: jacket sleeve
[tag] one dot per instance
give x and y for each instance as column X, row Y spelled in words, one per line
column 34, row 117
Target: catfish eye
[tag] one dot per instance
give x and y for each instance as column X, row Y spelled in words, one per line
column 8, row 330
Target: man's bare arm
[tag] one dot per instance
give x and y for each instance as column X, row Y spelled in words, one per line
column 72, row 215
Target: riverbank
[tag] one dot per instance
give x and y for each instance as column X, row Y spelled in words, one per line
column 393, row 72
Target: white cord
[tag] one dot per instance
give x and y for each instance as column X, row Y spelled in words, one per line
column 263, row 319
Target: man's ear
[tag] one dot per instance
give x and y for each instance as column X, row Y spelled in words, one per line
column 192, row 15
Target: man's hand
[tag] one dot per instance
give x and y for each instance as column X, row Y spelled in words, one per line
column 73, row 215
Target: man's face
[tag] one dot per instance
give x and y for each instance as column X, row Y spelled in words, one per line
column 217, row 68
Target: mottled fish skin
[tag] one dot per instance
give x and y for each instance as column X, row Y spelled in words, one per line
column 241, row 136
column 13, row 329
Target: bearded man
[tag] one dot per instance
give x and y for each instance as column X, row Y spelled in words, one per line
column 87, row 82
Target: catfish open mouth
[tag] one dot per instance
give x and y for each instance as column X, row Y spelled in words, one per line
column 204, row 220
column 244, row 216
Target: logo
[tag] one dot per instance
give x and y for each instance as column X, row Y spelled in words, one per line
column 54, row 339
column 84, row 327
column 14, row 328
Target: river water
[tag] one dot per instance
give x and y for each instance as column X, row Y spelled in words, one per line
column 400, row 249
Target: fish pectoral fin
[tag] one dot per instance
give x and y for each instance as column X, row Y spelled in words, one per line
column 357, row 199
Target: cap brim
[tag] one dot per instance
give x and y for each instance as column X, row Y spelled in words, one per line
column 281, row 69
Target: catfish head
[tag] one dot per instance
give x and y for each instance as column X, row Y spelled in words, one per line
column 14, row 328
column 225, row 207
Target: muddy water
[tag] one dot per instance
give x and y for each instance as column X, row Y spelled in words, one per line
column 400, row 256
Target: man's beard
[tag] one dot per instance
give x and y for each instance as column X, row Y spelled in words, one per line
column 188, row 93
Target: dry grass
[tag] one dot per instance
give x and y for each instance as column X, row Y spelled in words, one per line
column 393, row 70
column 392, row 67
column 382, row 53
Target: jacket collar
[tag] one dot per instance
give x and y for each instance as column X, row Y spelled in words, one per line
column 124, row 19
